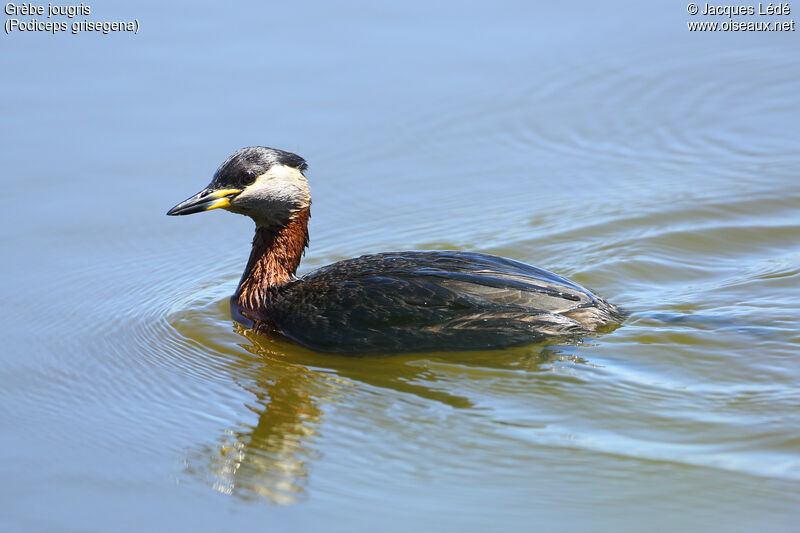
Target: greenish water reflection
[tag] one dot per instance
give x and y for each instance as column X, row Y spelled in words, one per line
column 291, row 389
column 601, row 141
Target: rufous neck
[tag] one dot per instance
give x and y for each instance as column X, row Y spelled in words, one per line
column 274, row 259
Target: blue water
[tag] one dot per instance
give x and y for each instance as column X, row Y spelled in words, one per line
column 605, row 142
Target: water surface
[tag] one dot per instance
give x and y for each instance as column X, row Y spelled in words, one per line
column 604, row 143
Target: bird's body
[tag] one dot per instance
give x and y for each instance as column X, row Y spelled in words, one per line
column 442, row 300
column 387, row 302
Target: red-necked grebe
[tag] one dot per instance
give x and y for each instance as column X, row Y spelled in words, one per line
column 387, row 302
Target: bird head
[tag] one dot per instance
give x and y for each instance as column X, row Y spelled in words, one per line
column 263, row 183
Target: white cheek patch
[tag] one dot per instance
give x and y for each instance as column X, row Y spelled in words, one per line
column 274, row 195
column 280, row 184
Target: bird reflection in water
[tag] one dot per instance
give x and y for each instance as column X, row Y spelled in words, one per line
column 270, row 460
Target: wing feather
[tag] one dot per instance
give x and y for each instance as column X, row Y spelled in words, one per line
column 413, row 301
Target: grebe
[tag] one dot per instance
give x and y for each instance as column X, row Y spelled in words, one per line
column 387, row 302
